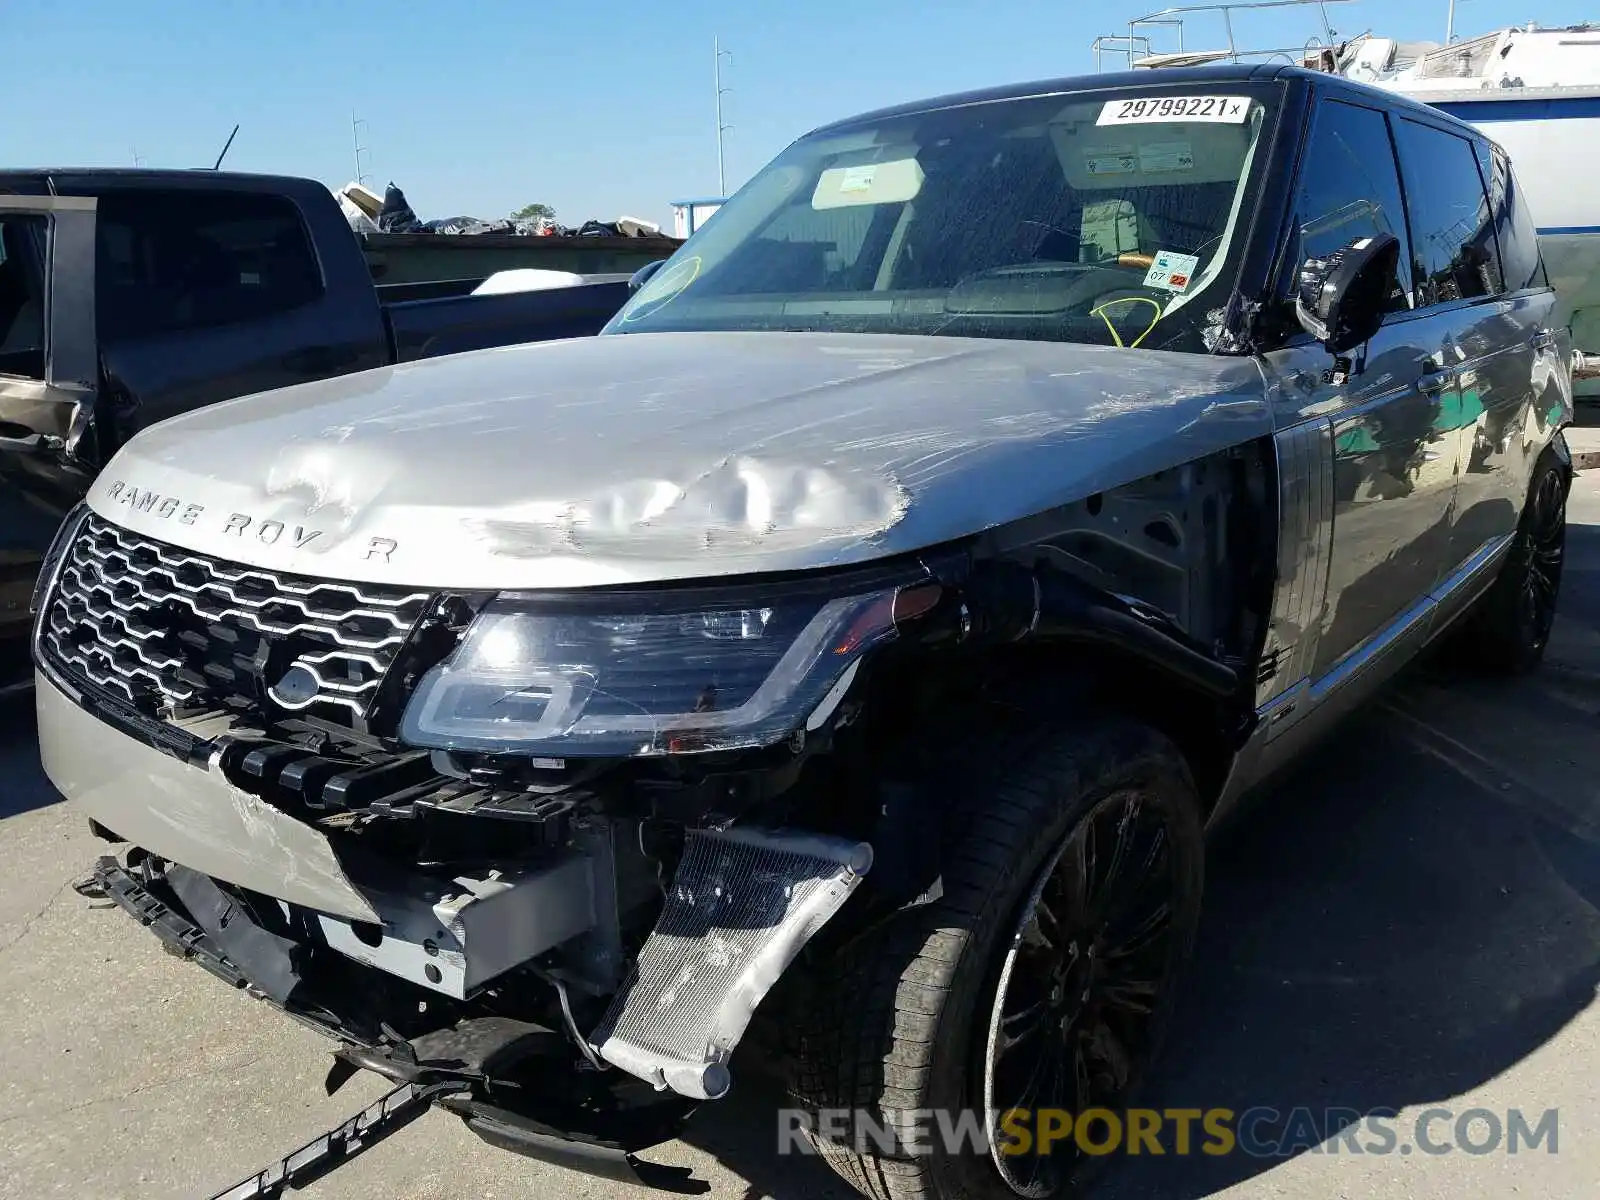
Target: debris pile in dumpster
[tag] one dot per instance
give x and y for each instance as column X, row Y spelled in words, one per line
column 367, row 212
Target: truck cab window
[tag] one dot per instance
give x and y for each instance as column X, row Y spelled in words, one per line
column 1452, row 234
column 1349, row 188
column 22, row 296
column 170, row 261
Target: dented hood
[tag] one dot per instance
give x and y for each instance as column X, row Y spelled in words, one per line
column 641, row 457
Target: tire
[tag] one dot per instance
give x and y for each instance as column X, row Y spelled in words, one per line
column 902, row 1018
column 1510, row 628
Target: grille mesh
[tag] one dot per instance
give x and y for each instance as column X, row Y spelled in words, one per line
column 163, row 628
column 743, row 904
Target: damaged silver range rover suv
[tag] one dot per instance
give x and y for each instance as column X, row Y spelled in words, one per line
column 867, row 627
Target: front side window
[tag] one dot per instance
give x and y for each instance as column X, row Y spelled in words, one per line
column 167, row 262
column 1106, row 217
column 1452, row 235
column 1349, row 188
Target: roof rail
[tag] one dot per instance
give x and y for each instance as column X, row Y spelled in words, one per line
column 1140, row 51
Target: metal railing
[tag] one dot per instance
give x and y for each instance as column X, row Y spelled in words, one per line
column 1134, row 43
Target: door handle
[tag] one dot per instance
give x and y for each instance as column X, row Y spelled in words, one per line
column 1434, row 381
column 1542, row 340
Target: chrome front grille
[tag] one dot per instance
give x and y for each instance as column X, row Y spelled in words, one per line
column 166, row 629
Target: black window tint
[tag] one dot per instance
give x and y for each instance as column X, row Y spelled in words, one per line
column 1350, row 188
column 1520, row 259
column 1452, row 236
column 22, row 242
column 172, row 261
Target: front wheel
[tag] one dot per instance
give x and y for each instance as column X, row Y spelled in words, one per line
column 1042, row 980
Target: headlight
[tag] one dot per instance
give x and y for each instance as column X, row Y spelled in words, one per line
column 613, row 675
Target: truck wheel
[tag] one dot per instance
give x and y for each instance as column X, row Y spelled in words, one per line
column 1043, row 978
column 1508, row 633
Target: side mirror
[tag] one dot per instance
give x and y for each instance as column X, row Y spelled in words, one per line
column 642, row 276
column 1342, row 296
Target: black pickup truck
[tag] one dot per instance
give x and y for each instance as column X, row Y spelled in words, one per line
column 128, row 296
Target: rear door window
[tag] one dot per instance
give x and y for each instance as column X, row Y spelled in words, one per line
column 1452, row 232
column 169, row 261
column 1521, row 261
column 1350, row 188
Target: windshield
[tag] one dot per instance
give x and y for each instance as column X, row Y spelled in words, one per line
column 1109, row 217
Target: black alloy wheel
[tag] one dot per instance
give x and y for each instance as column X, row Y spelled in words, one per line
column 1074, row 1019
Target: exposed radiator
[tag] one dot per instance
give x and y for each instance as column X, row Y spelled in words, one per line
column 743, row 904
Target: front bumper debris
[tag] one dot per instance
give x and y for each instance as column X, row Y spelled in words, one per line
column 453, row 1067
column 742, row 905
column 338, row 1146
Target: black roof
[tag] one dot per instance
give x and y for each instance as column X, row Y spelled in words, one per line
column 91, row 180
column 1209, row 75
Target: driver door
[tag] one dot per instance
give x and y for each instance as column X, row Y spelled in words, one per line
column 1368, row 463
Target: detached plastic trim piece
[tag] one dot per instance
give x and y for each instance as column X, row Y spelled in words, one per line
column 182, row 937
column 512, row 1131
column 338, row 1146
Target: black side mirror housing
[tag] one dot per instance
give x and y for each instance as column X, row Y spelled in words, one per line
column 1342, row 296
column 642, row 276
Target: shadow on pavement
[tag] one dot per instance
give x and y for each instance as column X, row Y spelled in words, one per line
column 1388, row 931
column 23, row 786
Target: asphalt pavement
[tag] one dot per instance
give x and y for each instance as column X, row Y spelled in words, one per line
column 1411, row 921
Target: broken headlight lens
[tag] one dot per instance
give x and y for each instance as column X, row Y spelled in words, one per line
column 613, row 675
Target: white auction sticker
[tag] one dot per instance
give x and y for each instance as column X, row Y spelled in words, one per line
column 1148, row 110
column 1171, row 271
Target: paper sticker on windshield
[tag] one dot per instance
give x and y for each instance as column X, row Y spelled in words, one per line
column 1157, row 157
column 893, row 181
column 1171, row 271
column 857, row 179
column 1111, row 160
column 1225, row 110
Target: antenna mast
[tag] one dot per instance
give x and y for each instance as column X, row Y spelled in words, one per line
column 355, row 140
column 217, row 166
column 717, row 55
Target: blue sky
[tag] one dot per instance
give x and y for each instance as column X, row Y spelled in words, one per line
column 598, row 109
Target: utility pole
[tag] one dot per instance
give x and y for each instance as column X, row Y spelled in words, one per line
column 717, row 55
column 355, row 140
column 137, row 160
